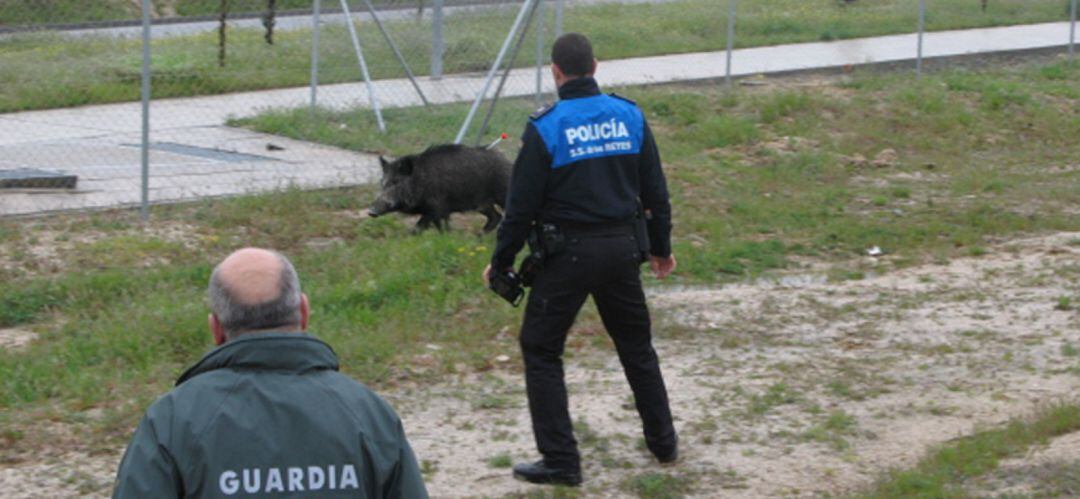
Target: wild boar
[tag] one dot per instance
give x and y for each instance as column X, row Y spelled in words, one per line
column 444, row 179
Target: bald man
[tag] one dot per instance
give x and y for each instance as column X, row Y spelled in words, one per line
column 266, row 412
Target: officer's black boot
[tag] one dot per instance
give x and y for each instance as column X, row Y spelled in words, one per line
column 539, row 472
column 667, row 456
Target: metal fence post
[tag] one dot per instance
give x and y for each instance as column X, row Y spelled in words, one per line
column 539, row 53
column 730, row 40
column 525, row 8
column 1072, row 29
column 559, row 4
column 315, row 53
column 363, row 65
column 506, row 73
column 145, row 110
column 438, row 45
column 922, row 28
column 397, row 53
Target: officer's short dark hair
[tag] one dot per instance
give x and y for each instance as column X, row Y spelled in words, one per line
column 573, row 54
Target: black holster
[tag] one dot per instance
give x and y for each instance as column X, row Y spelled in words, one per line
column 545, row 240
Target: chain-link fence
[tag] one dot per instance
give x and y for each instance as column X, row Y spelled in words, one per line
column 72, row 127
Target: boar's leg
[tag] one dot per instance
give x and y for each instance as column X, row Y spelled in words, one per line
column 425, row 222
column 439, row 217
column 493, row 217
column 443, row 223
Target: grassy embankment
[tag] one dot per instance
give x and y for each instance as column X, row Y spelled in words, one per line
column 43, row 70
column 942, row 472
column 20, row 13
column 762, row 181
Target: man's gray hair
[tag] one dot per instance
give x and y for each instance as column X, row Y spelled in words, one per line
column 237, row 317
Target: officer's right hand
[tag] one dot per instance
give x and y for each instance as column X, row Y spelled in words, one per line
column 661, row 266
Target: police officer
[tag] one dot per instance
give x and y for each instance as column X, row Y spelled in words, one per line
column 589, row 167
column 266, row 413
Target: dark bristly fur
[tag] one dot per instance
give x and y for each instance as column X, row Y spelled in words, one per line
column 445, row 179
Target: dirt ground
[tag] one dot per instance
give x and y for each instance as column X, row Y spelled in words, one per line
column 789, row 387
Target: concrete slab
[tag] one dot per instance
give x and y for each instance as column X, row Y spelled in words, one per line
column 113, row 177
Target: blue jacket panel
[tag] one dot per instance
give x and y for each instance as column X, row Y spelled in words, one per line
column 591, row 127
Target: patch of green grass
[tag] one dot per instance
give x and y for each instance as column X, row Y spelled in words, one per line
column 16, row 13
column 722, row 131
column 943, row 471
column 408, row 130
column 785, row 104
column 843, row 389
column 657, row 486
column 557, row 492
column 428, row 467
column 776, row 395
column 1064, row 303
column 46, row 70
column 1049, row 478
column 501, row 461
column 833, row 430
column 121, row 325
column 587, row 436
column 493, row 402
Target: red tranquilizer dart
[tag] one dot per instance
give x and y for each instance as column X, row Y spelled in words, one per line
column 496, row 142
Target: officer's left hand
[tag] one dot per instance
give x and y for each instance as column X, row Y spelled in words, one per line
column 662, row 267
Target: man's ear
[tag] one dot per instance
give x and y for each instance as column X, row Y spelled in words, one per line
column 305, row 311
column 216, row 329
column 595, row 63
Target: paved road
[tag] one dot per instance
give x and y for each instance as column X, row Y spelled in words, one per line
column 95, row 142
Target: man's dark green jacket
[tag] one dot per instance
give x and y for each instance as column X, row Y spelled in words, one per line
column 268, row 415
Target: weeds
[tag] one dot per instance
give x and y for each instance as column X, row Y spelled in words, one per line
column 833, row 430
column 657, row 486
column 501, row 461
column 943, row 470
column 777, row 395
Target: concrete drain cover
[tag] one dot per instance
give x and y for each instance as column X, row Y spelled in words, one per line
column 32, row 178
column 205, row 152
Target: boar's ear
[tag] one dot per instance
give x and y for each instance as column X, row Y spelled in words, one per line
column 383, row 163
column 405, row 165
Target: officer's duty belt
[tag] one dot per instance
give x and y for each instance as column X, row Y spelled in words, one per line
column 585, row 229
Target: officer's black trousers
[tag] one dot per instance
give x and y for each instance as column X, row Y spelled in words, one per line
column 606, row 265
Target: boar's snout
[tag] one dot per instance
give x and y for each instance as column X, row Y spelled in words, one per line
column 380, row 207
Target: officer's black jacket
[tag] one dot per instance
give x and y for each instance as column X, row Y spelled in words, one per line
column 596, row 190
